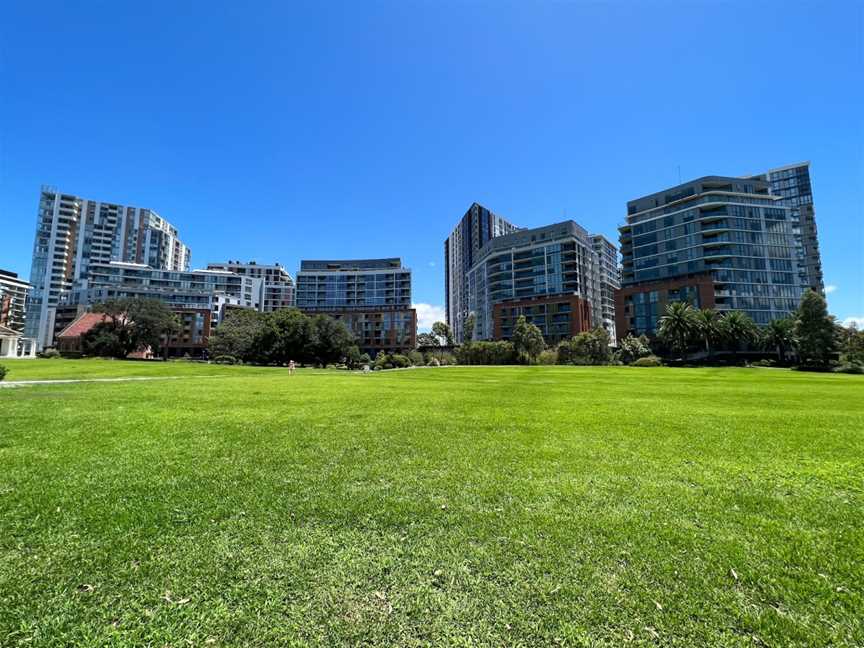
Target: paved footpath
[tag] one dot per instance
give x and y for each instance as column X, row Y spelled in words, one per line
column 62, row 381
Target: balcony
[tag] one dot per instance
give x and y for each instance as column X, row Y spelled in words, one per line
column 708, row 215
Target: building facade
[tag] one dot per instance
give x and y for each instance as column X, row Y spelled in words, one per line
column 792, row 184
column 192, row 337
column 610, row 281
column 476, row 228
column 372, row 297
column 548, row 274
column 277, row 284
column 716, row 242
column 213, row 291
column 73, row 233
column 14, row 293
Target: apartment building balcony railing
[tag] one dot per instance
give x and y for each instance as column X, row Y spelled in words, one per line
column 721, row 224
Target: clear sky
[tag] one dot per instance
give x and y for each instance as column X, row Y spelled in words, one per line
column 279, row 131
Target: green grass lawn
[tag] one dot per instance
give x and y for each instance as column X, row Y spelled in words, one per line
column 510, row 506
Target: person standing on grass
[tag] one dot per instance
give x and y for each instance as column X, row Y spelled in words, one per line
column 291, row 368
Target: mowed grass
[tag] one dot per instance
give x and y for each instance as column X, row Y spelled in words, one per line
column 509, row 506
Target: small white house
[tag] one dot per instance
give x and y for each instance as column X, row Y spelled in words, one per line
column 14, row 345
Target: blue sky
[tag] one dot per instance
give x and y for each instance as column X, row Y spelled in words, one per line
column 280, row 131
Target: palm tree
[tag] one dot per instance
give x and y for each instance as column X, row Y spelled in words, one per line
column 779, row 335
column 707, row 324
column 677, row 326
column 737, row 327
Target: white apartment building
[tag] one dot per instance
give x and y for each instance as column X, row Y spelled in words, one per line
column 73, row 233
column 277, row 284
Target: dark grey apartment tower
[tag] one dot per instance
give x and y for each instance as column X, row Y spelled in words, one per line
column 717, row 242
column 461, row 248
column 792, row 184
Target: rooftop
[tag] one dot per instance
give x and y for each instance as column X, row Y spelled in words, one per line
column 526, row 237
column 82, row 324
column 341, row 265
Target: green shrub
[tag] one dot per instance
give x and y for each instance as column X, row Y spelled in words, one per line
column 225, row 359
column 487, row 353
column 648, row 361
column 850, row 368
column 50, row 353
column 391, row 361
column 631, row 348
column 547, row 357
column 400, row 361
column 416, row 358
column 445, row 358
column 588, row 348
column 763, row 363
column 3, row 371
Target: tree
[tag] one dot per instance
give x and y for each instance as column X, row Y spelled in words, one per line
column 152, row 322
column 779, row 336
column 113, row 336
column 587, row 348
column 105, row 340
column 737, row 328
column 631, row 348
column 329, row 340
column 287, row 336
column 527, row 339
column 852, row 352
column 470, row 323
column 443, row 332
column 815, row 337
column 130, row 324
column 677, row 326
column 240, row 334
column 428, row 340
column 706, row 324
column 353, row 358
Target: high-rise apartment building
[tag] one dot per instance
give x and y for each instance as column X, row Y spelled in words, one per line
column 610, row 280
column 477, row 227
column 717, row 242
column 13, row 300
column 550, row 274
column 278, row 286
column 372, row 297
column 73, row 233
column 792, row 184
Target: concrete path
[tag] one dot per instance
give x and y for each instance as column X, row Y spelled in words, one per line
column 64, row 381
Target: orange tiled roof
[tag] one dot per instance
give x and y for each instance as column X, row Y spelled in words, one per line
column 82, row 324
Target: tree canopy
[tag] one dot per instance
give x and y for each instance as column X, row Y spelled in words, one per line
column 527, row 339
column 131, row 324
column 284, row 335
column 815, row 335
column 443, row 331
column 677, row 326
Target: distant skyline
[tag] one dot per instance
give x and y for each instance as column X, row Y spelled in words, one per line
column 276, row 132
